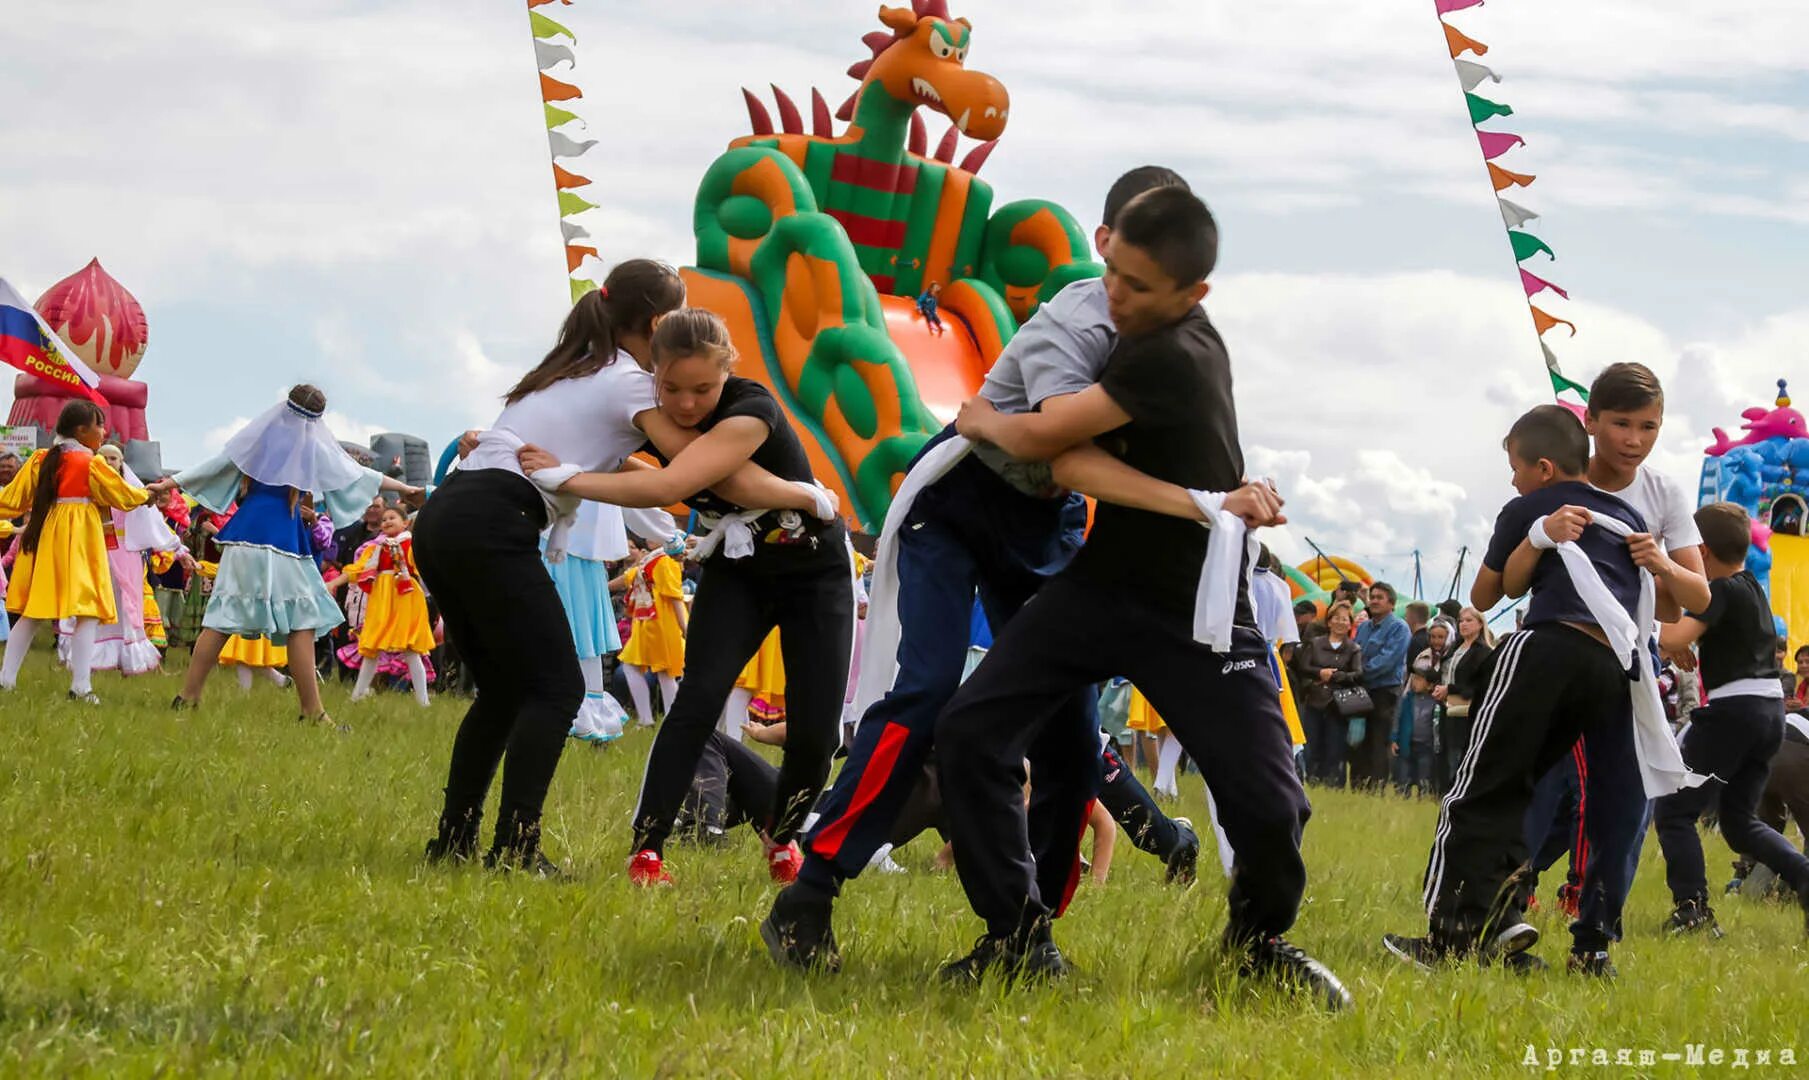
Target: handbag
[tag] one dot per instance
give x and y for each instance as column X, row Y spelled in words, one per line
column 1352, row 701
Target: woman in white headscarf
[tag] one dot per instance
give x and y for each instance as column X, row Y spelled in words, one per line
column 268, row 584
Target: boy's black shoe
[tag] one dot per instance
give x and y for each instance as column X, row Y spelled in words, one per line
column 1184, row 860
column 1596, row 964
column 1690, row 917
column 1514, row 939
column 1421, row 952
column 1288, row 965
column 457, row 840
column 1009, row 957
column 515, row 860
column 798, row 931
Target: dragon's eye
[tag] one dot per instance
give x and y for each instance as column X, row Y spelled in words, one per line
column 961, row 56
column 943, row 49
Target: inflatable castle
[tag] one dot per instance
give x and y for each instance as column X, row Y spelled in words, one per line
column 1767, row 472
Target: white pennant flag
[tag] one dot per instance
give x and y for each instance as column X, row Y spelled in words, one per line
column 567, row 147
column 573, row 231
column 1551, row 358
column 1514, row 214
column 546, row 54
column 1471, row 75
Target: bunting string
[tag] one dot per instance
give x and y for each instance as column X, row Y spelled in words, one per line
column 555, row 48
column 1496, row 144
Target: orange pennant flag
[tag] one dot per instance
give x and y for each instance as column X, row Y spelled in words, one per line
column 1502, row 178
column 538, row 3
column 565, row 178
column 1460, row 43
column 1544, row 322
column 575, row 255
column 554, row 90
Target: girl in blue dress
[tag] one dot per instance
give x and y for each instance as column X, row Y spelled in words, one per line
column 268, row 584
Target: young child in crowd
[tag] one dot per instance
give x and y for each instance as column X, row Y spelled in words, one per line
column 395, row 613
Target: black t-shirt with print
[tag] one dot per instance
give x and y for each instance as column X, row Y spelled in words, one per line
column 781, row 454
column 1741, row 639
column 1176, row 385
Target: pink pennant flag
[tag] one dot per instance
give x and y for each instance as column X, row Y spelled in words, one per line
column 1497, row 143
column 1577, row 407
column 1535, row 285
column 1446, row 7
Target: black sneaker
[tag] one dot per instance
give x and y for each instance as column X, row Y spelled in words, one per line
column 1692, row 916
column 1183, row 862
column 532, row 862
column 456, row 842
column 1596, row 964
column 1039, row 962
column 1421, row 952
column 1288, row 965
column 1522, row 963
column 798, row 933
column 181, row 704
column 1513, row 940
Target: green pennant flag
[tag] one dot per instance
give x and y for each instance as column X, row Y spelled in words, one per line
column 580, row 287
column 570, row 204
column 1559, row 384
column 544, row 27
column 556, row 116
column 1482, row 108
column 1526, row 245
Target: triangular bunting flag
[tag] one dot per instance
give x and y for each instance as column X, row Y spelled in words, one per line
column 1471, row 75
column 1526, row 245
column 1513, row 213
column 1482, row 108
column 1544, row 322
column 1535, row 285
column 570, row 204
column 580, row 287
column 574, row 256
column 1551, row 358
column 543, row 3
column 1504, row 179
column 563, row 179
column 544, row 28
column 566, row 146
column 1497, row 143
column 547, row 53
column 556, row 117
column 573, row 231
column 1446, row 7
column 552, row 89
column 1460, row 43
column 1559, row 384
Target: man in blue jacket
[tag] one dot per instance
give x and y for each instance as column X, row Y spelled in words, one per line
column 1383, row 639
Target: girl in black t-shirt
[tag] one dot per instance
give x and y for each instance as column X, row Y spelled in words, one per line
column 761, row 569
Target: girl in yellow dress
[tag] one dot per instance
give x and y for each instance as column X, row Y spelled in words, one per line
column 395, row 611
column 656, row 603
column 62, row 571
column 246, row 655
column 761, row 686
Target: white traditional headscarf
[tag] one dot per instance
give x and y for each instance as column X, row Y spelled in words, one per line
column 289, row 446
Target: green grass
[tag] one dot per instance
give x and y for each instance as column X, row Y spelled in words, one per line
column 231, row 892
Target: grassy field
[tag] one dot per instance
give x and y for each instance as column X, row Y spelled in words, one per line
column 231, row 892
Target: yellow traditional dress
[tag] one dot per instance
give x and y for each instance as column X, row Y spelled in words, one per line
column 1142, row 717
column 764, row 677
column 395, row 611
column 68, row 576
column 258, row 652
column 153, row 618
column 656, row 643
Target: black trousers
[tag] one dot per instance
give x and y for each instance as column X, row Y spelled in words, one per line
column 478, row 545
column 1224, row 708
column 1132, row 807
column 1551, row 685
column 1327, row 733
column 1371, row 765
column 1733, row 739
column 732, row 785
column 809, row 595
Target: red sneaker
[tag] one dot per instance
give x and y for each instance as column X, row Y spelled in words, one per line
column 782, row 862
column 647, row 868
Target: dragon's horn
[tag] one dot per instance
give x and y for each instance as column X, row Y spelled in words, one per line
column 977, row 156
column 757, row 114
column 878, row 41
column 920, row 136
column 846, row 112
column 819, row 115
column 789, row 120
column 945, row 150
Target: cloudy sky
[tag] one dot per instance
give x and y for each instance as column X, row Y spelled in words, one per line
column 358, row 194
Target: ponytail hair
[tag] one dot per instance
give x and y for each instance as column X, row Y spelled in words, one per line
column 635, row 294
column 75, row 416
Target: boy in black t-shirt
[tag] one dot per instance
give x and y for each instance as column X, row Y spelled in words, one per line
column 1734, row 736
column 1124, row 606
column 1554, row 681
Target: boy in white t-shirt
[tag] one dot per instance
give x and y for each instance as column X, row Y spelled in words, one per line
column 1625, row 416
